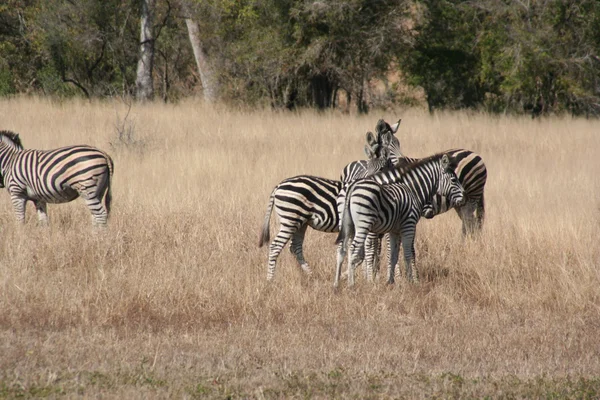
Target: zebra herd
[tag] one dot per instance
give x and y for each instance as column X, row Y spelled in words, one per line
column 55, row 176
column 386, row 194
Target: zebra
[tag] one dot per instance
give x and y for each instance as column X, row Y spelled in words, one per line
column 472, row 174
column 306, row 200
column 392, row 202
column 55, row 176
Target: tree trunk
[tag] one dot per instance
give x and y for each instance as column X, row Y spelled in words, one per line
column 143, row 83
column 361, row 101
column 207, row 74
column 322, row 89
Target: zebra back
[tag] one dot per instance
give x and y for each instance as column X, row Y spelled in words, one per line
column 470, row 171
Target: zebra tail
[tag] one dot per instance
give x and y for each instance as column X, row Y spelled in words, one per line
column 346, row 220
column 265, row 235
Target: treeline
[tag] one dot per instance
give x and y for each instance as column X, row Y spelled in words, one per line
column 536, row 56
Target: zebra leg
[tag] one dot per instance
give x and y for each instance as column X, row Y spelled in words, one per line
column 408, row 245
column 393, row 247
column 480, row 212
column 372, row 255
column 467, row 216
column 357, row 254
column 93, row 193
column 19, row 203
column 99, row 213
column 296, row 248
column 40, row 206
column 283, row 236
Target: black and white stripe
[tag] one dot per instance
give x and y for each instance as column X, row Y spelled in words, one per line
column 392, row 202
column 55, row 176
column 304, row 201
column 472, row 174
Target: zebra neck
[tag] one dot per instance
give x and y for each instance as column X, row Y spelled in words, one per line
column 376, row 165
column 423, row 180
column 6, row 154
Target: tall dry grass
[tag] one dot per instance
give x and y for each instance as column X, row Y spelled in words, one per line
column 172, row 300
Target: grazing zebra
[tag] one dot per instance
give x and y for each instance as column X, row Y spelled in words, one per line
column 392, row 202
column 305, row 200
column 55, row 176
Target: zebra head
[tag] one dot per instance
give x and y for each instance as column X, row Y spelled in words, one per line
column 449, row 186
column 372, row 148
column 386, row 138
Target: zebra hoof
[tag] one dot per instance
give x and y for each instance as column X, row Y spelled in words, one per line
column 306, row 269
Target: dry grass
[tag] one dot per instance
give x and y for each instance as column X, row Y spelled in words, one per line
column 172, row 301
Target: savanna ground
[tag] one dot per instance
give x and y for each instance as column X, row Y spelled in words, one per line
column 171, row 300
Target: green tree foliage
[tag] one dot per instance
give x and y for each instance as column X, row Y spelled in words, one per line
column 538, row 56
column 441, row 60
column 544, row 55
column 346, row 44
column 298, row 53
column 82, row 46
column 18, row 61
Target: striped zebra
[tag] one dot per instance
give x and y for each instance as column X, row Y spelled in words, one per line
column 472, row 174
column 55, row 176
column 392, row 202
column 305, row 200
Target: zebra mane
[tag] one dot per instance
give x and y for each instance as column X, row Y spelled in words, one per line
column 406, row 166
column 11, row 138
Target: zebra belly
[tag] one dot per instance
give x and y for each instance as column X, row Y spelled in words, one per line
column 326, row 223
column 65, row 196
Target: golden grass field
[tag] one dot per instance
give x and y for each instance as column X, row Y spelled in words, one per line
column 171, row 300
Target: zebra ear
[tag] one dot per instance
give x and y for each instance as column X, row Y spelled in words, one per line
column 381, row 127
column 445, row 162
column 371, row 140
column 395, row 127
column 386, row 138
column 371, row 151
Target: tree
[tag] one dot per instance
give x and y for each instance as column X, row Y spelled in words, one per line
column 441, row 59
column 81, row 47
column 144, row 82
column 542, row 56
column 206, row 72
